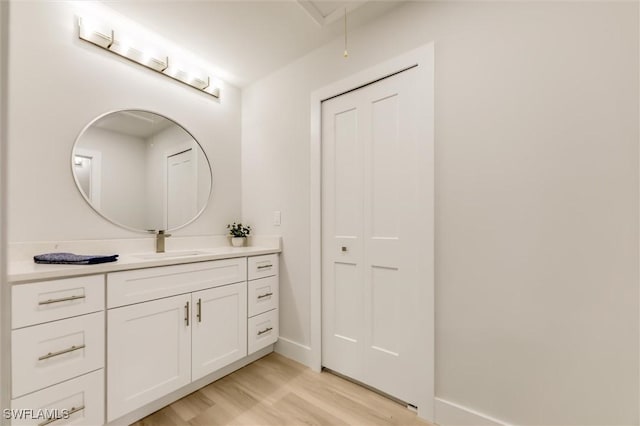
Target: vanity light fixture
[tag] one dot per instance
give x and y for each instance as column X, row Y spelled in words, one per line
column 109, row 40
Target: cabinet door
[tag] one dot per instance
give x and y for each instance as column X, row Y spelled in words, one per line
column 148, row 352
column 219, row 328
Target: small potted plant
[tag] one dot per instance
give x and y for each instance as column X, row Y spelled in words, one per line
column 238, row 234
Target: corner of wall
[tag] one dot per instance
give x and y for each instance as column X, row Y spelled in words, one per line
column 295, row 351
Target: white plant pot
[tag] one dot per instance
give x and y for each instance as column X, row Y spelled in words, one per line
column 238, row 241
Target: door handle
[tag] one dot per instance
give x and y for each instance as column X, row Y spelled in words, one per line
column 69, row 412
column 63, row 299
column 199, row 314
column 186, row 314
column 266, row 330
column 62, row 352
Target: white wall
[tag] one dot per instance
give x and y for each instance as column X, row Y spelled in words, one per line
column 124, row 175
column 536, row 198
column 58, row 85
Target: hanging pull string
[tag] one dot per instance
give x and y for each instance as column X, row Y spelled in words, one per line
column 346, row 53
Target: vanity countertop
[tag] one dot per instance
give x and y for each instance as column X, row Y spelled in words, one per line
column 26, row 271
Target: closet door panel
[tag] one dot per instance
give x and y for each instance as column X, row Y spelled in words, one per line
column 375, row 252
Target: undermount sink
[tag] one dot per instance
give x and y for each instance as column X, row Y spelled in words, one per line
column 170, row 254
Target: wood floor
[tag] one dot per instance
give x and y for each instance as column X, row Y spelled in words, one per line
column 278, row 391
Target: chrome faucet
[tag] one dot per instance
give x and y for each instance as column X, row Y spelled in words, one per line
column 161, row 235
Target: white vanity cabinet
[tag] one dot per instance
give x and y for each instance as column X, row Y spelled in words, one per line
column 57, row 347
column 120, row 343
column 158, row 346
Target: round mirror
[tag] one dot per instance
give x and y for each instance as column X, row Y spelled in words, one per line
column 141, row 171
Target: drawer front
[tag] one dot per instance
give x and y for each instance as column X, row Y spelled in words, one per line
column 263, row 266
column 80, row 399
column 262, row 330
column 128, row 287
column 263, row 295
column 46, row 301
column 50, row 353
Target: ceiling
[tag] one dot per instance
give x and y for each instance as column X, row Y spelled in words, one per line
column 140, row 124
column 247, row 40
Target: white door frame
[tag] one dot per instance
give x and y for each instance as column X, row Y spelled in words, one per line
column 95, row 191
column 423, row 57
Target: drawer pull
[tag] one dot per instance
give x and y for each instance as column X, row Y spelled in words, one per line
column 266, row 330
column 262, row 296
column 62, row 352
column 265, row 266
column 69, row 412
column 63, row 299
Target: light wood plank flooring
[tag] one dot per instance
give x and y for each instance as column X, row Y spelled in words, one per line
column 278, row 391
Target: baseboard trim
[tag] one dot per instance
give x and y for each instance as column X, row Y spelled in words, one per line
column 294, row 350
column 451, row 414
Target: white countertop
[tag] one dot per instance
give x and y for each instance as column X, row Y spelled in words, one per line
column 22, row 271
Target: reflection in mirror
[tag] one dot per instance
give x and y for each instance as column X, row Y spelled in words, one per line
column 142, row 171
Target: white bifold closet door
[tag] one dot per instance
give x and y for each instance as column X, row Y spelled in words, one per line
column 376, row 213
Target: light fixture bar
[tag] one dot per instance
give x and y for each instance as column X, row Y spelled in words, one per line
column 109, row 41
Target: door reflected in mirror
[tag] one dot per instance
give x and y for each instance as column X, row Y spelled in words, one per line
column 142, row 171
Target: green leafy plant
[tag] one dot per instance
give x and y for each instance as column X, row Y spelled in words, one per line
column 238, row 230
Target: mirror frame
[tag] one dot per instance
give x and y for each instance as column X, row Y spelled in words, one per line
column 85, row 197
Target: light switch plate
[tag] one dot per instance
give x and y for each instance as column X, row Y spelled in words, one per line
column 277, row 218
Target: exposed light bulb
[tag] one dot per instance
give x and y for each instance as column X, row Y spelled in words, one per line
column 346, row 53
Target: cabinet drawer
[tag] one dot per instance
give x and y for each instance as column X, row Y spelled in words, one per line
column 128, row 287
column 263, row 295
column 262, row 330
column 263, row 266
column 50, row 353
column 81, row 399
column 46, row 301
